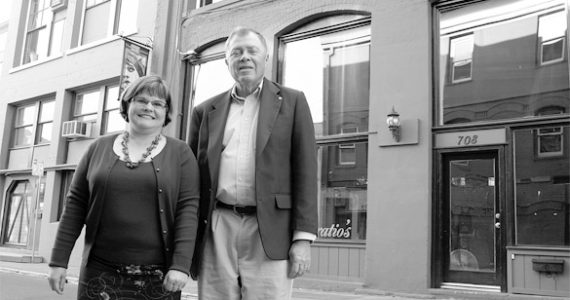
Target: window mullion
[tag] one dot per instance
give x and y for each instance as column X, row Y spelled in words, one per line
column 82, row 23
column 113, row 20
column 25, row 40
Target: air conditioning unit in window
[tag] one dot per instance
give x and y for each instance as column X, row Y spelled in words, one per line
column 76, row 129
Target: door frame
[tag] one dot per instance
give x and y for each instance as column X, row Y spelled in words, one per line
column 439, row 197
column 11, row 181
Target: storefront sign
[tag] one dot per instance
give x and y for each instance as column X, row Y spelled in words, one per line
column 470, row 138
column 335, row 231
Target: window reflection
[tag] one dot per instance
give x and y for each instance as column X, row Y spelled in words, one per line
column 333, row 70
column 502, row 60
column 551, row 35
column 343, row 200
column 86, row 104
column 128, row 17
column 211, row 78
column 472, row 215
column 45, row 122
column 542, row 186
column 112, row 119
column 25, row 118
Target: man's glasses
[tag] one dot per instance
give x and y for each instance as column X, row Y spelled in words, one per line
column 156, row 104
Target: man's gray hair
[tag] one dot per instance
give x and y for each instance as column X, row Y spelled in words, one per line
column 243, row 31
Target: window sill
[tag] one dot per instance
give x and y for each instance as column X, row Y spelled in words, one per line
column 35, row 63
column 341, row 243
column 93, row 44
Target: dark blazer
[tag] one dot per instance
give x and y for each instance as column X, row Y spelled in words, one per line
column 177, row 195
column 285, row 166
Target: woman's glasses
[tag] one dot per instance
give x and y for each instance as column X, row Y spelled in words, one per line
column 156, row 104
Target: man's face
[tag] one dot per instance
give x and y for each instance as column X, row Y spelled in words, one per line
column 246, row 58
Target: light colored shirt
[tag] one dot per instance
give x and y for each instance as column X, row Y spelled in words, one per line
column 236, row 181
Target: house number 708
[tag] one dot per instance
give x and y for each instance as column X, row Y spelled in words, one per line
column 467, row 140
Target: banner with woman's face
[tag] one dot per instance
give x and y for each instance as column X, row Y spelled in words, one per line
column 135, row 61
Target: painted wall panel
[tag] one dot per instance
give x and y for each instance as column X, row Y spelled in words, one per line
column 523, row 279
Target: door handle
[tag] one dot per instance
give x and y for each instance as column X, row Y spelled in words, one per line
column 498, row 225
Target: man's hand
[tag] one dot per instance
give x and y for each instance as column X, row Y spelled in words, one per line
column 299, row 258
column 57, row 279
column 174, row 281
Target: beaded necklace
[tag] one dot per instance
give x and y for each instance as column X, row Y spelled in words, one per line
column 132, row 164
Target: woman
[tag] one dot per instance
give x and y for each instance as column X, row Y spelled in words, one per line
column 137, row 194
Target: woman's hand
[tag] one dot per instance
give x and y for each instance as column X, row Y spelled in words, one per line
column 174, row 281
column 57, row 279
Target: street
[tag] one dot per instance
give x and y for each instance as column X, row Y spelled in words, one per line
column 24, row 287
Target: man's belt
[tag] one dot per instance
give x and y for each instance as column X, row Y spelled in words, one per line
column 242, row 210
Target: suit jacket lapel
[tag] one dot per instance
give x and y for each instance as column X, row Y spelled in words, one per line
column 217, row 118
column 270, row 103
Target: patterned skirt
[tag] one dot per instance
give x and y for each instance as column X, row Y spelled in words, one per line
column 103, row 281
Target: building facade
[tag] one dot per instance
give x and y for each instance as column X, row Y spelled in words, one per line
column 466, row 189
column 63, row 64
column 469, row 188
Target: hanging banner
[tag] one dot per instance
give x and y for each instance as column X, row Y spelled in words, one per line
column 135, row 61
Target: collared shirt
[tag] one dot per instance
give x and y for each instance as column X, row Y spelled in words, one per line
column 236, row 182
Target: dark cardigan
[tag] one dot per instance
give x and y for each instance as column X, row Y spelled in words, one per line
column 177, row 186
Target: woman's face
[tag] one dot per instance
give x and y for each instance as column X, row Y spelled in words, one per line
column 147, row 112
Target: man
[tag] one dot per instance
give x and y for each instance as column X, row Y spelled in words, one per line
column 255, row 146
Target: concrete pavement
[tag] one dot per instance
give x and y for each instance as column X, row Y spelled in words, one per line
column 190, row 291
column 304, row 289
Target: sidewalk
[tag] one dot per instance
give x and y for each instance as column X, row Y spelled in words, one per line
column 304, row 289
column 190, row 291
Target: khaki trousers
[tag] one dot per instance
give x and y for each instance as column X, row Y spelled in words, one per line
column 234, row 264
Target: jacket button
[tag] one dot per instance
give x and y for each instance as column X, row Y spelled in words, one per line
column 160, row 190
column 164, row 231
column 161, row 210
column 167, row 249
column 205, row 221
column 158, row 169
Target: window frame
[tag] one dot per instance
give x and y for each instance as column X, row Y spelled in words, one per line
column 41, row 123
column 108, row 111
column 113, row 19
column 541, row 43
column 48, row 26
column 35, row 124
column 80, row 116
column 98, row 116
column 17, row 125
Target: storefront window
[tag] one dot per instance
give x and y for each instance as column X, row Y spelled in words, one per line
column 342, row 200
column 332, row 68
column 502, row 60
column 542, row 185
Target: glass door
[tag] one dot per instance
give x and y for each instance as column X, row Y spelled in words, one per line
column 471, row 242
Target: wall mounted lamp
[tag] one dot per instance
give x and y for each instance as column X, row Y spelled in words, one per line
column 393, row 121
